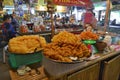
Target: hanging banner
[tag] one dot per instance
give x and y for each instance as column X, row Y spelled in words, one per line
column 41, row 2
column 82, row 3
column 61, row 9
column 8, row 2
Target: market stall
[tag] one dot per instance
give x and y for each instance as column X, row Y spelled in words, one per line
column 59, row 63
column 88, row 55
column 86, row 70
column 81, row 3
column 28, row 27
column 67, row 57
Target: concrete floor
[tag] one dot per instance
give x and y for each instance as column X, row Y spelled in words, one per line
column 4, row 72
column 4, row 68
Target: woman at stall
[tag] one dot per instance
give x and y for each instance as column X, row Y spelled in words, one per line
column 89, row 18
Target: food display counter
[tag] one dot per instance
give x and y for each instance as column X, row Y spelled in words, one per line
column 59, row 56
column 33, row 33
column 106, row 67
column 47, row 33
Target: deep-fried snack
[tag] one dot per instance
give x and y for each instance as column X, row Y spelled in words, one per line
column 65, row 45
column 88, row 35
column 65, row 37
column 26, row 44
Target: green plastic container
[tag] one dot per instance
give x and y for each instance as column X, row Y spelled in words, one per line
column 89, row 41
column 17, row 60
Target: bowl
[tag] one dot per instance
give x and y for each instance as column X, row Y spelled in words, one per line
column 55, row 68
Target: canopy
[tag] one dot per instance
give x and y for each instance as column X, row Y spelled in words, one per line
column 82, row 3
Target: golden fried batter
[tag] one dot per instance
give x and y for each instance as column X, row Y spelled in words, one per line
column 26, row 44
column 64, row 45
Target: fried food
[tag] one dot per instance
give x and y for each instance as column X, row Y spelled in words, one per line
column 88, row 35
column 52, row 50
column 26, row 44
column 65, row 37
column 65, row 45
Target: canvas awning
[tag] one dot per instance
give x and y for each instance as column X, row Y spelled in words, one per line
column 82, row 3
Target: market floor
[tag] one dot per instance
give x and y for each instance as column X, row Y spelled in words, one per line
column 4, row 68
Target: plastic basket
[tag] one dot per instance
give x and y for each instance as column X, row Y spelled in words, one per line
column 17, row 60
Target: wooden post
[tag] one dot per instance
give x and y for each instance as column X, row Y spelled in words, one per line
column 51, row 10
column 52, row 25
column 107, row 16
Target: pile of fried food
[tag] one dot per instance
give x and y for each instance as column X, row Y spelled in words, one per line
column 26, row 44
column 88, row 35
column 65, row 45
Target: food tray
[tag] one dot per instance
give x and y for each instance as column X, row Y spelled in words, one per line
column 73, row 61
column 17, row 60
column 55, row 68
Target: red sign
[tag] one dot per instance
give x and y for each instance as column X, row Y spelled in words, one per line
column 82, row 3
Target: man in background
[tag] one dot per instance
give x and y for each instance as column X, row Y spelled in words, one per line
column 14, row 21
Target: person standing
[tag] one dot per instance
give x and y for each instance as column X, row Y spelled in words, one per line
column 14, row 21
column 89, row 18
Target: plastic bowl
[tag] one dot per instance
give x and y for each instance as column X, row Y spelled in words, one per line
column 89, row 41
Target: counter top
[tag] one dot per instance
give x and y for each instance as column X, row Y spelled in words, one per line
column 33, row 33
column 76, row 67
column 71, row 68
column 48, row 32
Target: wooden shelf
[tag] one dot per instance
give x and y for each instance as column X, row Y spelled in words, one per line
column 28, row 76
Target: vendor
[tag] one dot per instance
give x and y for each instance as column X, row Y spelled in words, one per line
column 89, row 18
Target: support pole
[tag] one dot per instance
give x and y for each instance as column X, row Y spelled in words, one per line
column 107, row 16
column 51, row 10
column 52, row 25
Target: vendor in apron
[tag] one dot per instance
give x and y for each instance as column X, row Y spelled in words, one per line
column 89, row 18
